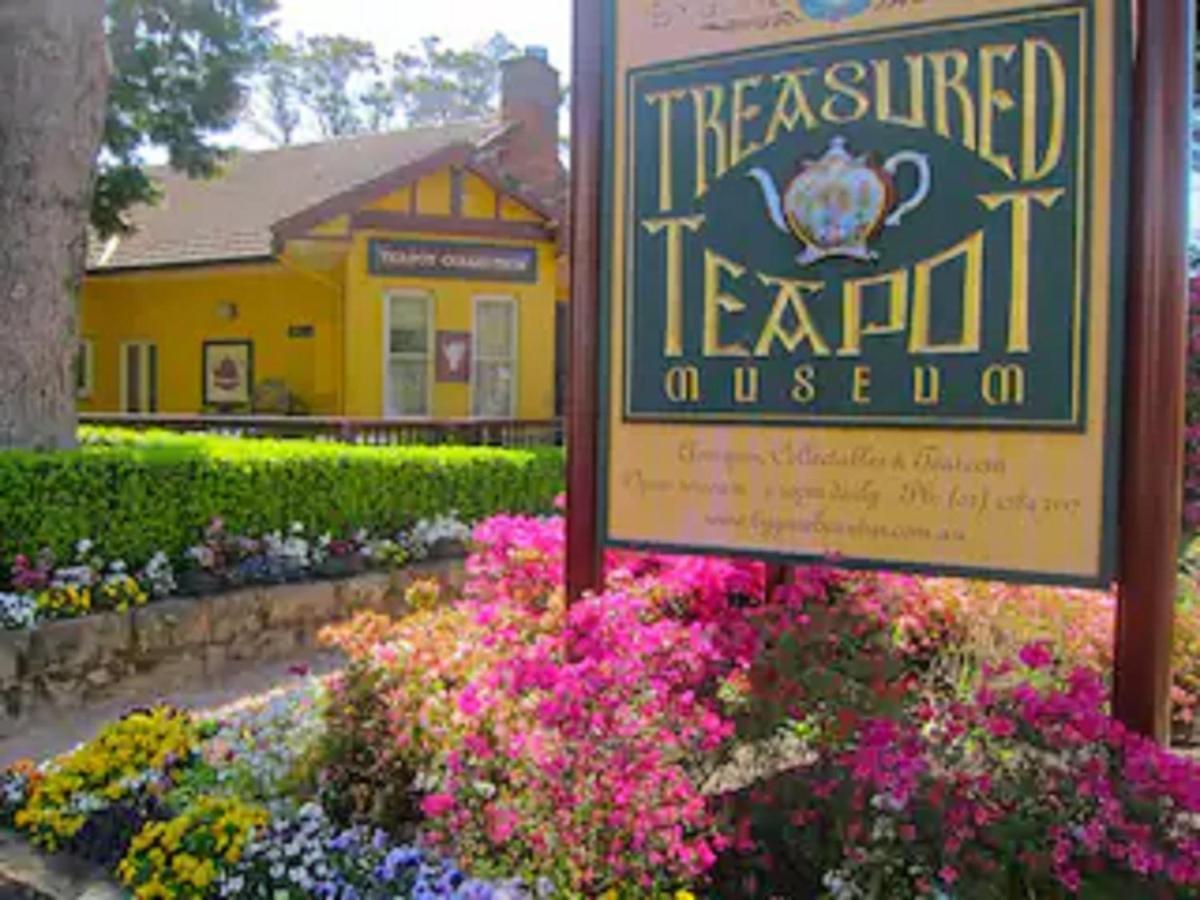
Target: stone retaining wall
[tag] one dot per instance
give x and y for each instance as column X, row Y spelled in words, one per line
column 171, row 644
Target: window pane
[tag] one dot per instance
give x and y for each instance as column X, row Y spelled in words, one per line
column 152, row 378
column 407, row 379
column 409, row 324
column 493, row 390
column 81, row 368
column 495, row 332
column 133, row 379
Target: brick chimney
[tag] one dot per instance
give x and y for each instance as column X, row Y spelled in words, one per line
column 529, row 88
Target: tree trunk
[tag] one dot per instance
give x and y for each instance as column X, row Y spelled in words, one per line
column 54, row 73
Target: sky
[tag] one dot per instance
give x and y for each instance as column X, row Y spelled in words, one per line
column 394, row 24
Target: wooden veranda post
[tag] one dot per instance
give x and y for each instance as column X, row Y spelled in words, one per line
column 1156, row 342
column 583, row 548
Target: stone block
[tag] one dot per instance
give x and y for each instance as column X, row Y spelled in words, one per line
column 169, row 625
column 74, row 646
column 16, row 706
column 271, row 646
column 452, row 573
column 234, row 615
column 59, row 694
column 14, row 655
column 304, row 605
column 364, row 593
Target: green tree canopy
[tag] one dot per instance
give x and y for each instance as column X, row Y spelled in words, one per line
column 179, row 74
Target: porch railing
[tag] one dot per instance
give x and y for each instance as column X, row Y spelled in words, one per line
column 381, row 432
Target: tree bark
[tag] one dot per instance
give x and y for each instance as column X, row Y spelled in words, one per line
column 54, row 73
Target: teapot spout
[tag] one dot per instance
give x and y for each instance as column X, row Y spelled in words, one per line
column 771, row 197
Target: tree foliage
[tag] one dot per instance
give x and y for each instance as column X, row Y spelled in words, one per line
column 180, row 70
column 442, row 84
column 331, row 72
column 280, row 88
column 343, row 86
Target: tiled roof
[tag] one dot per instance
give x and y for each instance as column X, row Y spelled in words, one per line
column 230, row 216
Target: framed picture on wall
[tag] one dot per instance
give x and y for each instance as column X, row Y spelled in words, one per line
column 228, row 373
column 454, row 357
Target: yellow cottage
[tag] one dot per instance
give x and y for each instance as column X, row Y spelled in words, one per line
column 414, row 273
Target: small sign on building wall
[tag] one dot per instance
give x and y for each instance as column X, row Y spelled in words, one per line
column 454, row 357
column 228, row 373
column 446, row 259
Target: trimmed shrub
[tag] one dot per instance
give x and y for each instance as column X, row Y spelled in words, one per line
column 137, row 495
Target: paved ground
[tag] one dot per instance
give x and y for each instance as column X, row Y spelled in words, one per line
column 11, row 890
column 52, row 737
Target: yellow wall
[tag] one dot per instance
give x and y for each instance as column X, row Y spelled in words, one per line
column 453, row 306
column 479, row 201
column 397, row 201
column 179, row 310
column 340, row 371
column 453, row 311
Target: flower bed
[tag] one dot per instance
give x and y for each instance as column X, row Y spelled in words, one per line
column 507, row 746
column 45, row 590
column 185, row 808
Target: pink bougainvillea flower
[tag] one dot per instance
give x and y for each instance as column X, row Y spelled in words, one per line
column 437, row 805
column 1037, row 656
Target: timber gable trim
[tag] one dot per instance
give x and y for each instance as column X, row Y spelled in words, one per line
column 380, row 220
column 456, row 157
column 353, row 200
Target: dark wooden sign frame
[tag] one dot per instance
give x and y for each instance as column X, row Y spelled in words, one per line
column 1156, row 346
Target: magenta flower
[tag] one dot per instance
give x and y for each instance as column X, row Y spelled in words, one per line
column 437, row 805
column 1036, row 656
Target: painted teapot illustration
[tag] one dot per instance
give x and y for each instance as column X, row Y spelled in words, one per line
column 839, row 203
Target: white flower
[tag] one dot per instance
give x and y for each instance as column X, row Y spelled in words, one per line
column 17, row 611
column 75, row 576
column 447, row 527
column 485, row 789
column 203, row 556
column 839, row 886
column 158, row 576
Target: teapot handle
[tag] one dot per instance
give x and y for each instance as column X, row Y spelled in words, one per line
column 924, row 182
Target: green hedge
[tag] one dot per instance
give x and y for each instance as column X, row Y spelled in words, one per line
column 138, row 494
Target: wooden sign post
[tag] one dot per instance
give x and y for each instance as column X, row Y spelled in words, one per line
column 1156, row 359
column 850, row 279
column 584, row 558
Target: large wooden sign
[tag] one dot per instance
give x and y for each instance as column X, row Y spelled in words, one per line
column 862, row 281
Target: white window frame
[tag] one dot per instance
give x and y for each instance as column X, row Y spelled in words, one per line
column 87, row 347
column 514, row 399
column 145, row 386
column 431, row 340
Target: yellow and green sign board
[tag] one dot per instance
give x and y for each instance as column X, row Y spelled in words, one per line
column 863, row 281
